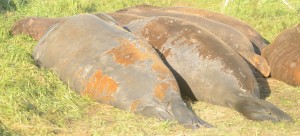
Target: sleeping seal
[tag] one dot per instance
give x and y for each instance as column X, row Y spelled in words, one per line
column 102, row 60
column 283, row 55
column 234, row 38
column 205, row 67
column 258, row 41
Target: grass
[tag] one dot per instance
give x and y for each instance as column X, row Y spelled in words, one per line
column 34, row 101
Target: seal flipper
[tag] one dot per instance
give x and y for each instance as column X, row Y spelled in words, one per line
column 175, row 111
column 171, row 108
column 259, row 110
column 185, row 116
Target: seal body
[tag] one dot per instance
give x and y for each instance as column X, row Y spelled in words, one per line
column 102, row 60
column 231, row 36
column 206, row 67
column 258, row 41
column 283, row 55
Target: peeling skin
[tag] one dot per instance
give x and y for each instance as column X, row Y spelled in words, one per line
column 160, row 90
column 283, row 56
column 101, row 88
column 134, row 105
column 127, row 53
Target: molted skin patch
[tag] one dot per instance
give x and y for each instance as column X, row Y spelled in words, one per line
column 160, row 90
column 134, row 105
column 127, row 53
column 101, row 87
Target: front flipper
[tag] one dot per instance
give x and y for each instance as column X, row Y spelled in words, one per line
column 173, row 110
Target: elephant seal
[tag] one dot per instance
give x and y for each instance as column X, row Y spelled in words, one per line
column 206, row 67
column 235, row 39
column 185, row 88
column 102, row 60
column 283, row 55
column 258, row 41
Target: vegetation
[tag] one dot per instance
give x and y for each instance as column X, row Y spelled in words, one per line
column 34, row 101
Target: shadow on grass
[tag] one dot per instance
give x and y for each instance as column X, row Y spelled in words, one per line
column 4, row 131
column 11, row 5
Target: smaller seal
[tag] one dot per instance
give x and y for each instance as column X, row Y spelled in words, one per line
column 283, row 55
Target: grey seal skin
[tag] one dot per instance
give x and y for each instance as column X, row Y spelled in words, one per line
column 206, row 67
column 235, row 39
column 258, row 41
column 102, row 60
column 283, row 55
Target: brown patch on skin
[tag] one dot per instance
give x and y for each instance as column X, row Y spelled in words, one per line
column 134, row 105
column 160, row 90
column 160, row 68
column 158, row 36
column 127, row 53
column 101, row 87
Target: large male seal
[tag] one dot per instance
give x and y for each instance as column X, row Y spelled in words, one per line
column 102, row 60
column 283, row 55
column 235, row 39
column 206, row 67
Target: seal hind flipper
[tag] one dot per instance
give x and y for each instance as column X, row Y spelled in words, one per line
column 260, row 110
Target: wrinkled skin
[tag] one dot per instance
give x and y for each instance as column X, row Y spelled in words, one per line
column 102, row 60
column 284, row 57
column 231, row 36
column 206, row 67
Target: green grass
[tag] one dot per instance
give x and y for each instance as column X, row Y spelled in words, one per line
column 34, row 101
